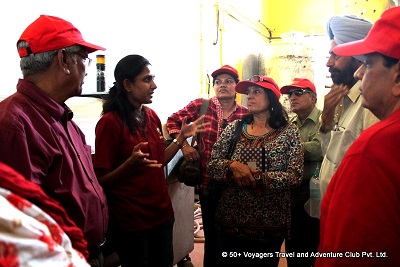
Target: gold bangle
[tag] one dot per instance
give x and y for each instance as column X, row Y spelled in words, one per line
column 185, row 145
column 177, row 143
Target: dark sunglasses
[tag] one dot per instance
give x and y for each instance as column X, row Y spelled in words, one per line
column 299, row 92
column 258, row 78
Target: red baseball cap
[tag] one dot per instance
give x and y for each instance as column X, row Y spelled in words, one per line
column 384, row 38
column 262, row 81
column 226, row 69
column 51, row 33
column 299, row 83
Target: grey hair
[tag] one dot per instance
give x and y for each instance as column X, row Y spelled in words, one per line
column 40, row 62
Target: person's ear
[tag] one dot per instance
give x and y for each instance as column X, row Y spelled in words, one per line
column 62, row 59
column 127, row 86
column 314, row 97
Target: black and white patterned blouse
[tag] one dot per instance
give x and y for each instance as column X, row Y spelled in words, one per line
column 266, row 208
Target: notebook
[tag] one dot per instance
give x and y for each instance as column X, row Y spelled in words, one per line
column 254, row 158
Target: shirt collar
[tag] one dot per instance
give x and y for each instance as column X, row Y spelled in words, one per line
column 33, row 92
column 218, row 104
column 314, row 116
column 354, row 92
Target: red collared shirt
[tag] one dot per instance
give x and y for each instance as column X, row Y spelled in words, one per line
column 213, row 115
column 39, row 140
column 141, row 200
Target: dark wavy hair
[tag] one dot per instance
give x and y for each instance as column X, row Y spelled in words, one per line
column 129, row 68
column 278, row 115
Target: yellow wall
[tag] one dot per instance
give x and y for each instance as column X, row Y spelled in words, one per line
column 369, row 9
column 234, row 32
column 293, row 15
column 310, row 16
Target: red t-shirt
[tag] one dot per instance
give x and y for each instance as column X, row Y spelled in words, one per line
column 140, row 201
column 360, row 215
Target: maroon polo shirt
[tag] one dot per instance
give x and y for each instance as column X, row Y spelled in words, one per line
column 140, row 200
column 39, row 140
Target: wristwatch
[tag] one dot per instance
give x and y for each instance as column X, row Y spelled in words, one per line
column 177, row 143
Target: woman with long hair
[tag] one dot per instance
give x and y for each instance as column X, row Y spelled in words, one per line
column 130, row 154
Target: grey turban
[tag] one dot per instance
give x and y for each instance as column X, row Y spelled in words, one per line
column 348, row 28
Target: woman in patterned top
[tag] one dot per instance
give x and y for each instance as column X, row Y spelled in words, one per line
column 253, row 215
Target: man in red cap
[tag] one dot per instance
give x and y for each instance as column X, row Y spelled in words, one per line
column 304, row 232
column 222, row 110
column 360, row 211
column 40, row 140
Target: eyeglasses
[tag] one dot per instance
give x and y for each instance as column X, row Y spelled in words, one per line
column 85, row 59
column 258, row 78
column 226, row 81
column 299, row 92
column 338, row 128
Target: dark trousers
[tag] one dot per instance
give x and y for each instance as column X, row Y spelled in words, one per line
column 304, row 233
column 148, row 248
column 209, row 205
column 238, row 251
column 97, row 260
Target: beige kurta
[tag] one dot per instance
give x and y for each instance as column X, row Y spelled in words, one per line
column 352, row 121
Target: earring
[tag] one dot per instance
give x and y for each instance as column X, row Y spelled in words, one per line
column 67, row 71
column 128, row 91
column 272, row 109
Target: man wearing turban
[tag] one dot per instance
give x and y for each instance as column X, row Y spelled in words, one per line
column 343, row 118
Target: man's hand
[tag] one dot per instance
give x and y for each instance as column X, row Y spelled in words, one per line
column 332, row 99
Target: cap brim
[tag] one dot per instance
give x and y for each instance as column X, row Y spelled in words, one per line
column 90, row 48
column 218, row 72
column 355, row 48
column 242, row 86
